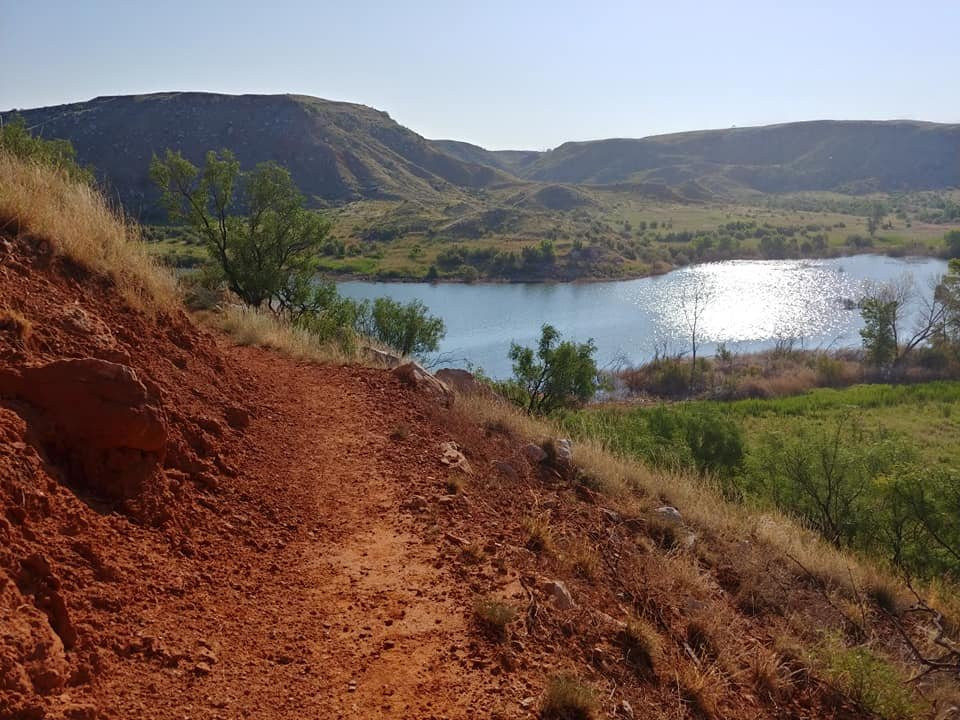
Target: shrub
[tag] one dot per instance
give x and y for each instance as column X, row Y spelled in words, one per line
column 558, row 374
column 17, row 140
column 408, row 328
column 868, row 679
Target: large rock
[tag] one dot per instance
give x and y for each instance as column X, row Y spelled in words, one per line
column 99, row 416
column 414, row 376
column 462, row 382
column 99, row 402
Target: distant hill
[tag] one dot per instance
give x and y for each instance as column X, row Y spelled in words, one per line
column 336, row 151
column 844, row 156
column 339, row 152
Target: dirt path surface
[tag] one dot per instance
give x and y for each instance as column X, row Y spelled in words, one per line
column 342, row 610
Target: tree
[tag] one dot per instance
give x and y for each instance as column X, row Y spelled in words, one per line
column 875, row 218
column 952, row 240
column 879, row 332
column 694, row 299
column 266, row 256
column 883, row 307
column 560, row 373
column 408, row 328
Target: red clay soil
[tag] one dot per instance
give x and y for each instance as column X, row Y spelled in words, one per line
column 297, row 550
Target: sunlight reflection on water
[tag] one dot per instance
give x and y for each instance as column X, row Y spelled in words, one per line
column 753, row 303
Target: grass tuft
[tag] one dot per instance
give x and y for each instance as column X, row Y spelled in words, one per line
column 641, row 647
column 539, row 534
column 568, row 698
column 14, row 322
column 494, row 616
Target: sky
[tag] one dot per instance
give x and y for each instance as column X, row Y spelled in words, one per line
column 524, row 74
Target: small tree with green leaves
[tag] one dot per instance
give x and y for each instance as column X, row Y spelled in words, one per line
column 408, row 328
column 952, row 241
column 559, row 373
column 261, row 239
column 879, row 330
column 875, row 218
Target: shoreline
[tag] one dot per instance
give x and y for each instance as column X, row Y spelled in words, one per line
column 590, row 279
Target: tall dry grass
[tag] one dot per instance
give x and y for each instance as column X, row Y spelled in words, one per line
column 261, row 328
column 79, row 223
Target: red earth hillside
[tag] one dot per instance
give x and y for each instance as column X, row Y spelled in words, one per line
column 189, row 529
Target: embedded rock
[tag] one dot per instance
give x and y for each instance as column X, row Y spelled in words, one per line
column 412, row 375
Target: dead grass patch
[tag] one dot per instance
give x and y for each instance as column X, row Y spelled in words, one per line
column 15, row 323
column 78, row 222
column 494, row 616
column 568, row 698
column 539, row 534
column 641, row 647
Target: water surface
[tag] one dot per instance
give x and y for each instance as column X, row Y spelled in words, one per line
column 751, row 304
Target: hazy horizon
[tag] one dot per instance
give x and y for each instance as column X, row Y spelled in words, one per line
column 506, row 77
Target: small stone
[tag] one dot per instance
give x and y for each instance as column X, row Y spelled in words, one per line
column 611, row 515
column 527, row 702
column 670, row 512
column 534, row 453
column 506, row 469
column 559, row 593
column 625, row 709
column 202, row 668
column 564, row 449
column 416, row 502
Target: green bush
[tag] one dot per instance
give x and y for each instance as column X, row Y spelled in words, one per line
column 408, row 328
column 16, row 139
column 559, row 374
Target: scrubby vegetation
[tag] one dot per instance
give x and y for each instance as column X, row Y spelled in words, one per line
column 872, row 467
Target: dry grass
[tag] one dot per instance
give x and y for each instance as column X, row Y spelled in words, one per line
column 769, row 674
column 261, row 328
column 253, row 326
column 568, row 698
column 700, row 688
column 12, row 321
column 78, row 223
column 539, row 534
column 641, row 646
column 582, row 559
column 494, row 616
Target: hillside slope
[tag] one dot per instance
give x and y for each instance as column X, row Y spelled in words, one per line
column 336, row 151
column 850, row 156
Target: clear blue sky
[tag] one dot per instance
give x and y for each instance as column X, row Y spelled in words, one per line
column 521, row 74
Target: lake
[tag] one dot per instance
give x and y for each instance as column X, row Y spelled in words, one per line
column 752, row 304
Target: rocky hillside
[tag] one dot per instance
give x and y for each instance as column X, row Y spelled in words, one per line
column 336, row 151
column 839, row 156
